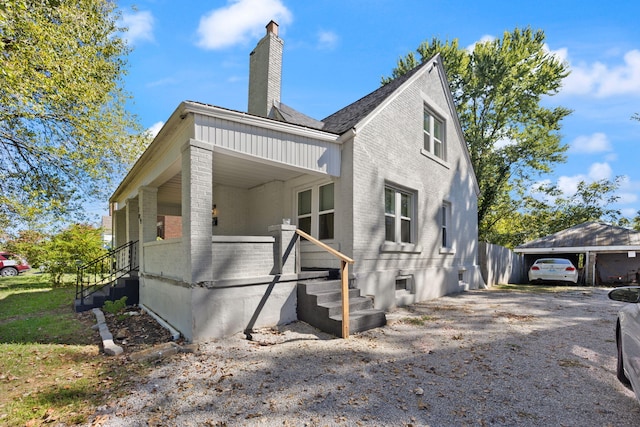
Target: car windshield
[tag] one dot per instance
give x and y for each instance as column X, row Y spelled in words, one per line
column 553, row 261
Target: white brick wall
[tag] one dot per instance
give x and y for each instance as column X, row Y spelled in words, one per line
column 388, row 150
column 241, row 257
column 265, row 71
column 164, row 258
column 197, row 165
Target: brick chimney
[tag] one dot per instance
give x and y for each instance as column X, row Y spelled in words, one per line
column 265, row 72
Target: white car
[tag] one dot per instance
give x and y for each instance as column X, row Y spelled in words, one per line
column 553, row 270
column 628, row 337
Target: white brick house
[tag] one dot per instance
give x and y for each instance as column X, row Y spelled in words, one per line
column 387, row 181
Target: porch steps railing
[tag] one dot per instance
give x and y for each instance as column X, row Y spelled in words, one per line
column 109, row 277
column 331, row 306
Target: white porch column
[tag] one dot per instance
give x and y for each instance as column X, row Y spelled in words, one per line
column 148, row 205
column 286, row 249
column 197, row 198
column 133, row 226
column 119, row 226
column 133, row 220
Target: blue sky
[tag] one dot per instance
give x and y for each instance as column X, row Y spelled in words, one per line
column 336, row 51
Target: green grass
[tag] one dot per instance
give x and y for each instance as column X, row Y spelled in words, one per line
column 51, row 368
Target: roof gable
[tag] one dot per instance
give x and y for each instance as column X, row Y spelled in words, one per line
column 348, row 117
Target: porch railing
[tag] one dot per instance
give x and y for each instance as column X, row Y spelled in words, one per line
column 344, row 275
column 106, row 269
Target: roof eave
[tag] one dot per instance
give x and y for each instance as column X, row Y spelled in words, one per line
column 578, row 249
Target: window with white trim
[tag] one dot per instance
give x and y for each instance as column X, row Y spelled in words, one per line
column 434, row 134
column 316, row 211
column 445, row 220
column 398, row 215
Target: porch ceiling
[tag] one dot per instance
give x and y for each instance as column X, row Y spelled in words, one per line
column 229, row 171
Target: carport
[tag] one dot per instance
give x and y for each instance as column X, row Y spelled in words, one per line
column 605, row 254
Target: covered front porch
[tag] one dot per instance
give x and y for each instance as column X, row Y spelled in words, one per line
column 212, row 203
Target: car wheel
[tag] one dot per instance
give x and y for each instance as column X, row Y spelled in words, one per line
column 8, row 271
column 620, row 365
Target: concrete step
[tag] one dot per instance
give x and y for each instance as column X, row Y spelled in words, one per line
column 363, row 320
column 333, row 308
column 315, row 286
column 320, row 305
column 125, row 286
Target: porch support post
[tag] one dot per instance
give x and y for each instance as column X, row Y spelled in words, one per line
column 148, row 205
column 133, row 225
column 285, row 251
column 119, row 226
column 148, row 198
column 197, row 200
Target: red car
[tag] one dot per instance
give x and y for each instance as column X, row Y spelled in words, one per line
column 12, row 265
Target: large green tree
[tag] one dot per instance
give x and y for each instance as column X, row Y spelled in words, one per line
column 64, row 129
column 547, row 210
column 498, row 87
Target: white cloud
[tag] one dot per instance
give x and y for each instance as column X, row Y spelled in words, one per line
column 596, row 143
column 569, row 184
column 327, row 40
column 483, row 39
column 240, row 21
column 561, row 54
column 626, row 198
column 503, row 142
column 140, row 26
column 154, row 129
column 599, row 171
column 602, row 80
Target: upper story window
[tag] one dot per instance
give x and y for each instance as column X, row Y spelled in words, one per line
column 316, row 211
column 398, row 215
column 434, row 135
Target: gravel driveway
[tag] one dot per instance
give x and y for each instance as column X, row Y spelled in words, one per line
column 480, row 358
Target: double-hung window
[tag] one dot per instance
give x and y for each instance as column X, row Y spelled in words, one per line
column 434, row 135
column 316, row 211
column 446, row 228
column 398, row 215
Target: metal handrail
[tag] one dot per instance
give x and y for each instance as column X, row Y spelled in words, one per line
column 344, row 275
column 106, row 269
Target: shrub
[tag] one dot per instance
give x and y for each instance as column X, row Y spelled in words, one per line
column 115, row 307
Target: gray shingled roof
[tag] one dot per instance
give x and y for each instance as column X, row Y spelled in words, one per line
column 289, row 115
column 349, row 116
column 346, row 118
column 588, row 234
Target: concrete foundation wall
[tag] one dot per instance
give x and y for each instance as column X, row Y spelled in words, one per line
column 209, row 313
column 422, row 283
column 221, row 312
column 164, row 297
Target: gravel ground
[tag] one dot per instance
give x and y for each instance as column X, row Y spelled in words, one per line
column 481, row 358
